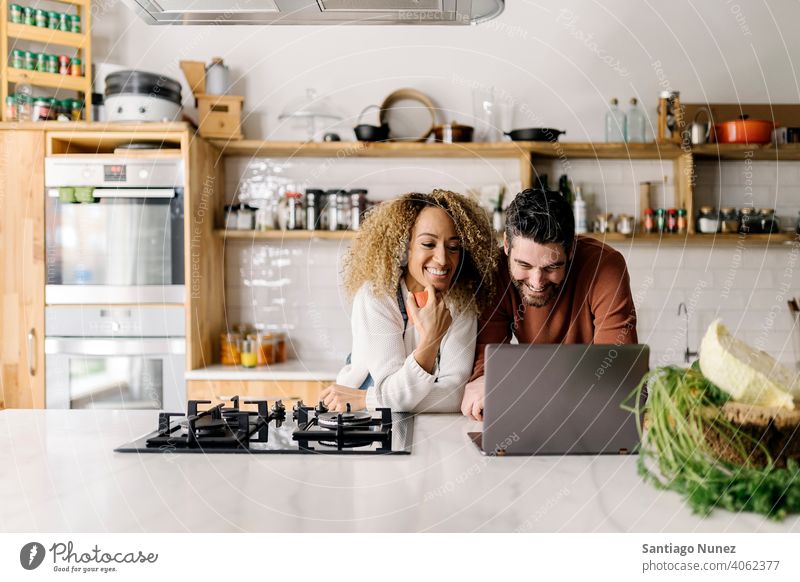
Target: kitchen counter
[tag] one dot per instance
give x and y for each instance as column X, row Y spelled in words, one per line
column 60, row 474
column 303, row 370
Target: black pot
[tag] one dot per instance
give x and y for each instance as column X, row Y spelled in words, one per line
column 366, row 132
column 535, row 134
column 143, row 83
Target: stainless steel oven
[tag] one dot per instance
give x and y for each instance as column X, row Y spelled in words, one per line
column 115, row 357
column 115, row 230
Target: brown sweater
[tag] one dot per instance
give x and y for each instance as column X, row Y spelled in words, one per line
column 593, row 306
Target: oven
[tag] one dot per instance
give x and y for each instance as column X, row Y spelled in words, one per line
column 115, row 357
column 114, row 230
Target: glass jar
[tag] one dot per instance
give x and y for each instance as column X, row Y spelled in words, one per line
column 75, row 23
column 672, row 220
column 331, row 210
column 41, row 109
column 52, row 64
column 729, row 220
column 17, row 59
column 15, row 13
column 24, row 101
column 245, row 218
column 749, row 221
column 76, row 67
column 52, row 20
column 769, row 222
column 343, row 210
column 30, row 61
column 683, row 222
column 313, row 200
column 63, row 65
column 249, row 356
column 11, row 108
column 63, row 22
column 649, row 224
column 265, row 346
column 280, row 348
column 230, row 349
column 40, row 18
column 41, row 63
column 76, row 109
column 29, row 15
column 661, row 220
column 358, row 200
column 295, row 215
column 625, row 224
column 602, row 223
column 230, row 217
column 707, row 220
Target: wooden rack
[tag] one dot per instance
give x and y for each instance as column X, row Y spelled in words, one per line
column 82, row 41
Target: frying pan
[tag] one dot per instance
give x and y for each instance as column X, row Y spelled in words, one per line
column 535, row 134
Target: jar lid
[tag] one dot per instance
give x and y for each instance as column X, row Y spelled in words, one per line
column 767, row 211
column 648, row 211
column 747, row 210
column 728, row 210
column 706, row 209
column 294, row 195
column 681, row 212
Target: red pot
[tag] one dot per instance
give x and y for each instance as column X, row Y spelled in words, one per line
column 744, row 130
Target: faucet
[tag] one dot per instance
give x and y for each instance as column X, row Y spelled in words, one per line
column 687, row 355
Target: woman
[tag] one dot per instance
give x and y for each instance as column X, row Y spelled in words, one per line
column 420, row 271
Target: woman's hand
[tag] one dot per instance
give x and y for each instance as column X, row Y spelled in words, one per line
column 337, row 397
column 432, row 322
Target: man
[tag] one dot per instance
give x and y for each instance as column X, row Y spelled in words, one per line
column 553, row 287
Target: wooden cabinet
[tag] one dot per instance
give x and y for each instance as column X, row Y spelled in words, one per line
column 22, row 259
column 287, row 390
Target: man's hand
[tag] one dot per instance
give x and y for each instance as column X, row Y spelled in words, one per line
column 336, row 398
column 472, row 404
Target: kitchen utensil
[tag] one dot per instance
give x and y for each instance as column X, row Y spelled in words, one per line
column 142, row 96
column 452, row 133
column 409, row 114
column 365, row 132
column 744, row 130
column 217, row 77
column 701, row 131
column 535, row 134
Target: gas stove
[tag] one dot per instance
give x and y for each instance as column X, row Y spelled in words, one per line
column 270, row 430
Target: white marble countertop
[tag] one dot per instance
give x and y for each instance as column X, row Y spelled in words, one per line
column 307, row 370
column 60, row 474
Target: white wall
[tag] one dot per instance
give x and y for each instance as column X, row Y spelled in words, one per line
column 562, row 60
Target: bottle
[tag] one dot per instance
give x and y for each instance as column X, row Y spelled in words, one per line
column 649, row 223
column 579, row 210
column 563, row 187
column 636, row 123
column 615, row 123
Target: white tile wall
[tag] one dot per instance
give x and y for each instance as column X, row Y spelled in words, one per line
column 295, row 286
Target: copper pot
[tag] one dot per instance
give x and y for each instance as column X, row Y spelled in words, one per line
column 744, row 130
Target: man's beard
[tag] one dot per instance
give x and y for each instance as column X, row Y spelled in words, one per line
column 549, row 293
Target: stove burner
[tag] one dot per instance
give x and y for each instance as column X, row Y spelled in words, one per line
column 343, row 430
column 348, row 419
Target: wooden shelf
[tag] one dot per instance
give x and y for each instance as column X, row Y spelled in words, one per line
column 714, row 151
column 285, row 234
column 47, row 35
column 357, row 149
column 611, row 237
column 52, row 80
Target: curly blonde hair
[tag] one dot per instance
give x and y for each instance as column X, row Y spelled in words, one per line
column 379, row 254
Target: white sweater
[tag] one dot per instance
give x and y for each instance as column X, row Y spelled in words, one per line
column 401, row 384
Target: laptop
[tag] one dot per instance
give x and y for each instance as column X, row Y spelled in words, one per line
column 560, row 399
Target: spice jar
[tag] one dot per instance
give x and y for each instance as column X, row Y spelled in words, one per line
column 29, row 15
column 249, row 355
column 649, row 224
column 295, row 215
column 63, row 22
column 331, row 209
column 75, row 67
column 769, row 222
column 17, row 59
column 30, row 61
column 602, row 223
column 245, row 218
column 280, row 347
column 625, row 224
column 40, row 18
column 52, row 20
column 15, row 13
column 230, row 349
column 707, row 220
column 52, row 64
column 343, row 210
column 729, row 220
column 76, row 109
column 41, row 62
column 661, row 220
column 749, row 221
column 313, row 200
column 75, row 23
column 265, row 347
column 63, row 65
column 672, row 220
column 11, row 108
column 358, row 199
column 41, row 109
column 683, row 221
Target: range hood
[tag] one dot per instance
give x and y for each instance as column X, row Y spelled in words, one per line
column 301, row 12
